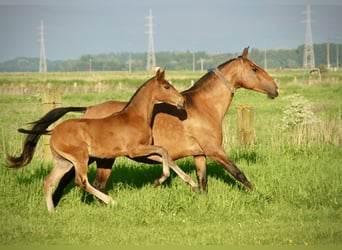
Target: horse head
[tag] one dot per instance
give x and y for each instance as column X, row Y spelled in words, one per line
column 165, row 92
column 251, row 76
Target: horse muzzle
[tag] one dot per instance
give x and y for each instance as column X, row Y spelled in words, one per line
column 273, row 94
column 181, row 105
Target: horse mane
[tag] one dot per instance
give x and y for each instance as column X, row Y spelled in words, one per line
column 225, row 63
column 135, row 93
column 205, row 77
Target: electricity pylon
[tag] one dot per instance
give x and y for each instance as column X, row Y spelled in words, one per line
column 309, row 57
column 42, row 60
column 151, row 57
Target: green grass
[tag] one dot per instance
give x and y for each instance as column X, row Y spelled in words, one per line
column 296, row 174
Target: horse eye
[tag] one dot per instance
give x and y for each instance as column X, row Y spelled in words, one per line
column 166, row 86
column 255, row 69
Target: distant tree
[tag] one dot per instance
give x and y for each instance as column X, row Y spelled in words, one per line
column 174, row 60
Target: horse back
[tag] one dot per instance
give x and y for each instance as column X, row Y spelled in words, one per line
column 104, row 109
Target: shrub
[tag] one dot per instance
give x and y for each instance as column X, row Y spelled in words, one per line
column 297, row 112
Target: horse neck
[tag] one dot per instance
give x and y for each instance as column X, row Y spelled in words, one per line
column 141, row 104
column 213, row 93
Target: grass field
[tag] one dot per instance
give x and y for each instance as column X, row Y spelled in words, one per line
column 296, row 173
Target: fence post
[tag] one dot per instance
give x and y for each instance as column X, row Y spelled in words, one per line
column 245, row 114
column 51, row 98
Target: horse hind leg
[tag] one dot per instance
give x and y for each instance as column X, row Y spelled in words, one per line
column 62, row 167
column 81, row 180
column 65, row 180
column 104, row 167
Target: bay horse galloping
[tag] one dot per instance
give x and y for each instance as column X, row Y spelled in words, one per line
column 126, row 133
column 195, row 131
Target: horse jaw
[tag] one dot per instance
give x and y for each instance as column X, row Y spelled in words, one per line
column 270, row 92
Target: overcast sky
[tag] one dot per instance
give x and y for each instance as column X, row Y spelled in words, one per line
column 77, row 27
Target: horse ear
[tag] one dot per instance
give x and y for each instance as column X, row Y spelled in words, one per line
column 245, row 53
column 160, row 74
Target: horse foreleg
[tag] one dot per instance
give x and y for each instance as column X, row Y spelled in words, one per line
column 155, row 153
column 103, row 170
column 62, row 166
column 201, row 172
column 186, row 178
column 222, row 158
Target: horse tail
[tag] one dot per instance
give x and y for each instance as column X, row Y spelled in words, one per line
column 34, row 134
column 53, row 115
column 26, row 156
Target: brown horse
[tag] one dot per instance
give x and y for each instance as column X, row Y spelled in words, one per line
column 126, row 133
column 197, row 131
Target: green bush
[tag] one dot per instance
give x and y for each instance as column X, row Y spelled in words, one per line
column 297, row 112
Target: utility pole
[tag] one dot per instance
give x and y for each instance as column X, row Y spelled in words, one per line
column 337, row 55
column 129, row 62
column 328, row 54
column 42, row 60
column 193, row 61
column 309, row 57
column 90, row 65
column 202, row 64
column 151, row 58
column 265, row 59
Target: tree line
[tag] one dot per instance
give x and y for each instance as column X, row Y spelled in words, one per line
column 272, row 59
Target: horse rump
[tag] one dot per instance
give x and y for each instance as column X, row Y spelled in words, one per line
column 38, row 129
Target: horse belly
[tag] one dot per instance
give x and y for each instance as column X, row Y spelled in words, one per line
column 172, row 134
column 106, row 152
column 109, row 144
column 119, row 139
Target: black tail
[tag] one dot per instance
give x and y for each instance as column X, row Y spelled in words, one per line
column 34, row 134
column 52, row 116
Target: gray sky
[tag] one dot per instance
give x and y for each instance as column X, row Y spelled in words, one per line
column 76, row 27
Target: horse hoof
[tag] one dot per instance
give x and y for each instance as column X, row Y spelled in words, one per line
column 196, row 189
column 112, row 203
column 204, row 191
column 156, row 183
column 249, row 186
column 51, row 210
